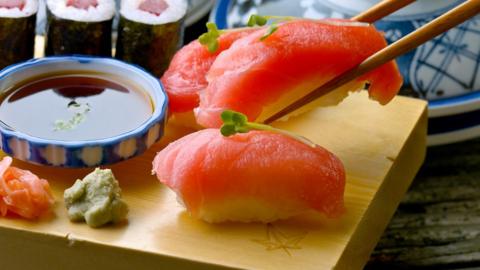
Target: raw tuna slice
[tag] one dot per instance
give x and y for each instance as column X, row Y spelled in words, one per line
column 82, row 4
column 256, row 176
column 258, row 77
column 186, row 75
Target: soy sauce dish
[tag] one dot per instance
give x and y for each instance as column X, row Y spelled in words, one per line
column 79, row 111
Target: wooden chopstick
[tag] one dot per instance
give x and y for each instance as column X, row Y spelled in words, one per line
column 381, row 10
column 441, row 24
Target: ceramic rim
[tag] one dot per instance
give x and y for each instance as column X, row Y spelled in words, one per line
column 87, row 153
column 450, row 119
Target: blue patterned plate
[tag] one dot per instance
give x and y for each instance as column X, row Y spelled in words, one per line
column 85, row 153
column 444, row 71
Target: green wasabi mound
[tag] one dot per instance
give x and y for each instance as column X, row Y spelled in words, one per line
column 96, row 199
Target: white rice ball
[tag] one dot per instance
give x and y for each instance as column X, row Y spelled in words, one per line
column 176, row 11
column 104, row 11
column 31, row 7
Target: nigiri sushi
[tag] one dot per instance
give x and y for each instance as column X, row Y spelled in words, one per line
column 22, row 192
column 256, row 176
column 259, row 76
column 186, row 74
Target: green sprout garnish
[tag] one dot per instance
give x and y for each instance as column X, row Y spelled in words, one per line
column 258, row 20
column 210, row 38
column 270, row 30
column 80, row 115
column 235, row 122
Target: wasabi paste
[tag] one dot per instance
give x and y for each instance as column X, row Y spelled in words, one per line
column 96, row 199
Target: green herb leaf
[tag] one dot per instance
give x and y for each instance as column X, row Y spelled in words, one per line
column 255, row 20
column 239, row 119
column 210, row 38
column 272, row 29
column 228, row 130
column 227, row 116
column 236, row 122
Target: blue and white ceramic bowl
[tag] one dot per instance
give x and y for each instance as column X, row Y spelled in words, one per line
column 86, row 153
column 445, row 71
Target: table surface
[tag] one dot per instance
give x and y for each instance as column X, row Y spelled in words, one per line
column 437, row 226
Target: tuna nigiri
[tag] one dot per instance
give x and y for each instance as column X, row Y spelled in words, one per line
column 22, row 192
column 255, row 176
column 186, row 75
column 258, row 77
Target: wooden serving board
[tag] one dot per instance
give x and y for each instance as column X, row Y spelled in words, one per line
column 382, row 148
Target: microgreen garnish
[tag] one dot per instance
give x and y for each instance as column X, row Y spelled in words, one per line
column 235, row 122
column 270, row 30
column 80, row 114
column 209, row 39
column 258, row 20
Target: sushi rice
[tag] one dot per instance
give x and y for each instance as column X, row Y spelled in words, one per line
column 175, row 11
column 105, row 10
column 30, row 8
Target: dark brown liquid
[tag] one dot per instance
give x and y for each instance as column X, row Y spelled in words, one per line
column 106, row 108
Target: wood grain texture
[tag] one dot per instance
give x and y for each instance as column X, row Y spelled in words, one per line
column 437, row 225
column 382, row 148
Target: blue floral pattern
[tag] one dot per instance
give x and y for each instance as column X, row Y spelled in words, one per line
column 444, row 67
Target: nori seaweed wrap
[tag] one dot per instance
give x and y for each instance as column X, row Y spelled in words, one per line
column 75, row 29
column 17, row 32
column 150, row 32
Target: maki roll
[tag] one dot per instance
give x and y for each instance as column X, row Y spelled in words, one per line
column 79, row 27
column 17, row 30
column 150, row 32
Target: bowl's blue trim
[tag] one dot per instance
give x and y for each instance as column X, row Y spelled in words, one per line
column 449, row 123
column 72, row 150
column 220, row 13
column 157, row 115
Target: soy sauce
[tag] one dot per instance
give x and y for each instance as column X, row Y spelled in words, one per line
column 75, row 107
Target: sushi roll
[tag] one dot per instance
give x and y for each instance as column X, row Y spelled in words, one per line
column 150, row 32
column 259, row 176
column 17, row 30
column 79, row 27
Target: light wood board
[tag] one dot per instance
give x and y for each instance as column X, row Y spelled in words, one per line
column 382, row 148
